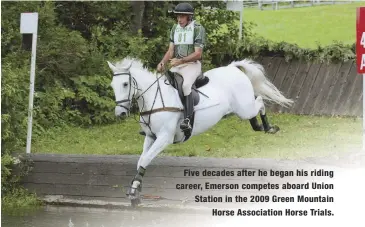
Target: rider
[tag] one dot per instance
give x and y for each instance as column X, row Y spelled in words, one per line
column 187, row 40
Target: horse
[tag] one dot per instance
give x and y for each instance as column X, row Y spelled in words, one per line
column 239, row 88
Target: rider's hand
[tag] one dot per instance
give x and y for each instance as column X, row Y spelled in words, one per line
column 176, row 62
column 160, row 66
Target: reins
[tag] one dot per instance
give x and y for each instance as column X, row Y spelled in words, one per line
column 151, row 111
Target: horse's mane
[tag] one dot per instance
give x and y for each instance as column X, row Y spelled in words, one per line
column 136, row 64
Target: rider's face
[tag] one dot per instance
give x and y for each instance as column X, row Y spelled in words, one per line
column 182, row 19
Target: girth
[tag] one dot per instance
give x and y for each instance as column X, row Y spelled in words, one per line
column 169, row 109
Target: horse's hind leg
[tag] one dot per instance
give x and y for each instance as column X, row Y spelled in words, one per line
column 265, row 122
column 250, row 112
column 255, row 124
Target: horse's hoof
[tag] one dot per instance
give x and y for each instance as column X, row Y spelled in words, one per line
column 273, row 129
column 133, row 195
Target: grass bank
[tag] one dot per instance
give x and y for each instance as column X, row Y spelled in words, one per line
column 14, row 198
column 300, row 136
column 306, row 26
column 19, row 202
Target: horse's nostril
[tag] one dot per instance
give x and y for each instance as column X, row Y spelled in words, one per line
column 123, row 114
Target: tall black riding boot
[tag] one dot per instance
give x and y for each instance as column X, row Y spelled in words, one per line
column 188, row 113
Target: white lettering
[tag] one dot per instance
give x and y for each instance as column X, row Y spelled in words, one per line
column 184, row 35
column 362, row 40
column 362, row 63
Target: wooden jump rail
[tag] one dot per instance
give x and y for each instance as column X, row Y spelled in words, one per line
column 333, row 89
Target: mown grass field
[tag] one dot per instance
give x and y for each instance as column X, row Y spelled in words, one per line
column 306, row 26
column 300, row 136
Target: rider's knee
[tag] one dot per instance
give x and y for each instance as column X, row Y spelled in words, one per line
column 186, row 89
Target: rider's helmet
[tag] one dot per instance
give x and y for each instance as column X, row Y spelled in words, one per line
column 184, row 8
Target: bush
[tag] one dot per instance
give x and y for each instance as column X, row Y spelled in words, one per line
column 71, row 85
column 256, row 46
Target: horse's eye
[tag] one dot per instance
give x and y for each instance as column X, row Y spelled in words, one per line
column 125, row 84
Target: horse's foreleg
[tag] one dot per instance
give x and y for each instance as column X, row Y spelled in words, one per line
column 162, row 141
column 136, row 184
column 148, row 141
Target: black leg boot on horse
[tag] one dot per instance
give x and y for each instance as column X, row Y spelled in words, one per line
column 267, row 126
column 185, row 125
column 255, row 125
column 136, row 187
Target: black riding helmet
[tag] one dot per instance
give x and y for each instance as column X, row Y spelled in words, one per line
column 184, row 8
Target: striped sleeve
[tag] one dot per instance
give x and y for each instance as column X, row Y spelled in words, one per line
column 199, row 39
column 172, row 32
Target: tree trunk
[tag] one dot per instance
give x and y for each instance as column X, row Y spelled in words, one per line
column 138, row 9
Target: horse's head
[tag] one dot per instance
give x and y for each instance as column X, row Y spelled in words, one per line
column 124, row 88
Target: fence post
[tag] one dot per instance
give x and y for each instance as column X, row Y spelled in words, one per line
column 236, row 6
column 29, row 26
column 260, row 5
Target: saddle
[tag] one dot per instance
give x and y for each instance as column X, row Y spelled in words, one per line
column 176, row 81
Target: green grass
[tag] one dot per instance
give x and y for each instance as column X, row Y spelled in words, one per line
column 306, row 26
column 300, row 136
column 20, row 202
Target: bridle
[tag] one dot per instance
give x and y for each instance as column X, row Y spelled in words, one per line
column 120, row 102
column 150, row 112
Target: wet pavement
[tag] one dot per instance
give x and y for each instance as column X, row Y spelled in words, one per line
column 346, row 192
column 57, row 216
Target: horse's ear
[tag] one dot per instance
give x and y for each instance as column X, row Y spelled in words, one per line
column 112, row 67
column 130, row 65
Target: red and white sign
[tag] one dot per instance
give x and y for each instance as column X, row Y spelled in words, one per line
column 360, row 40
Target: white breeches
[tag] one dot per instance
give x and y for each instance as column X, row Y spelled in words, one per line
column 190, row 72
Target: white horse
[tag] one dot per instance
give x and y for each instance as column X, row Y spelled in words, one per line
column 229, row 90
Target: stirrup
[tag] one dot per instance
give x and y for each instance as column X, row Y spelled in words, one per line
column 185, row 124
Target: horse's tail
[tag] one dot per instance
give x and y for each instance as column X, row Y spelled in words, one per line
column 261, row 85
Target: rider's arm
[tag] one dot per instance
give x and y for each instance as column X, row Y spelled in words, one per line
column 169, row 54
column 197, row 55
